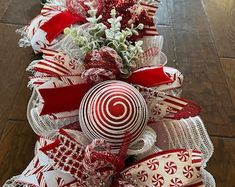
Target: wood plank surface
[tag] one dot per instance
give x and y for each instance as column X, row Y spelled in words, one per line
column 221, row 15
column 168, row 45
column 163, row 14
column 17, row 142
column 19, row 107
column 21, row 12
column 228, row 65
column 221, row 165
column 196, row 57
column 12, row 66
column 196, row 35
column 3, row 7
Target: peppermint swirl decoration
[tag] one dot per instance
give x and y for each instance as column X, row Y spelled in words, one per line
column 158, row 180
column 175, row 182
column 170, row 168
column 188, row 172
column 153, row 164
column 183, row 156
column 111, row 110
column 142, row 176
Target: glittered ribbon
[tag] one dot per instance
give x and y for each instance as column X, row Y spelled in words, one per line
column 92, row 164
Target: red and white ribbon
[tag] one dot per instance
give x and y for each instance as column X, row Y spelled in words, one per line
column 173, row 168
column 95, row 164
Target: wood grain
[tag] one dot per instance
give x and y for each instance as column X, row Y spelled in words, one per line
column 19, row 106
column 12, row 65
column 188, row 15
column 3, row 8
column 163, row 14
column 16, row 145
column 228, row 65
column 168, row 45
column 189, row 45
column 221, row 15
column 222, row 163
column 21, row 12
column 196, row 57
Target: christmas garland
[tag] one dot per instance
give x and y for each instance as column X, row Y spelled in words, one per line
column 106, row 109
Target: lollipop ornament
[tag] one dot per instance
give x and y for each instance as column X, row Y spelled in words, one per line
column 111, row 110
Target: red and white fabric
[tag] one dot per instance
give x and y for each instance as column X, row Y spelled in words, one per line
column 34, row 33
column 41, row 173
column 173, row 168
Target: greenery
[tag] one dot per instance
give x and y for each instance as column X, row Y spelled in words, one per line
column 98, row 35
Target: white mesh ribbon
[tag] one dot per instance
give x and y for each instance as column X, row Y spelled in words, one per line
column 152, row 55
column 186, row 133
column 12, row 182
column 144, row 143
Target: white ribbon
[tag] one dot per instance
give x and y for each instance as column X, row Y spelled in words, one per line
column 144, row 143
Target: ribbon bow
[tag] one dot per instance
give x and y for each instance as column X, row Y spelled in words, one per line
column 95, row 164
column 89, row 165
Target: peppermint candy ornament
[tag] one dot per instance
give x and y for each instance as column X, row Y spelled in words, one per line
column 112, row 110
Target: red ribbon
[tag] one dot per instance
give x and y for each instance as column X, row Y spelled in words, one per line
column 58, row 23
column 95, row 162
column 69, row 98
column 63, row 99
column 149, row 77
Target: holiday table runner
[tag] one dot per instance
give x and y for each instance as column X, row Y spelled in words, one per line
column 105, row 107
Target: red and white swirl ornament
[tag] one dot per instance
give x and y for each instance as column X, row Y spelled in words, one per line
column 157, row 180
column 111, row 110
column 170, row 168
